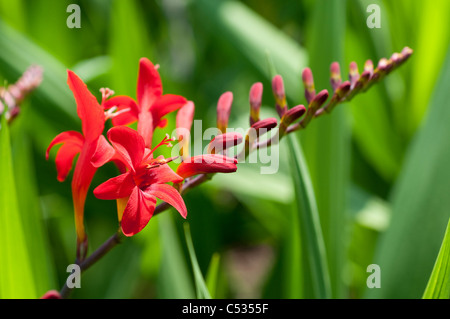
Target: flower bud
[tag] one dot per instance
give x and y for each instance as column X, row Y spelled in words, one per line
column 224, row 141
column 279, row 94
column 353, row 74
column 223, row 110
column 308, row 83
column 184, row 119
column 255, row 102
column 335, row 77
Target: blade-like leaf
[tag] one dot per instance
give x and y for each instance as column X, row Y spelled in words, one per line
column 313, row 247
column 420, row 202
column 439, row 284
column 16, row 274
column 254, row 37
column 212, row 276
column 30, row 210
column 326, row 141
column 200, row 285
column 173, row 280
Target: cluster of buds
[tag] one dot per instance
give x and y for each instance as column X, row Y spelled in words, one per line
column 299, row 116
column 14, row 94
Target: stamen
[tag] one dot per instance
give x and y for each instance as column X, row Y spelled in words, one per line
column 106, row 93
column 166, row 141
column 112, row 114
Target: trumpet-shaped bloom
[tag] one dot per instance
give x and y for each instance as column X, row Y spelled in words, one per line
column 73, row 143
column 143, row 182
column 151, row 105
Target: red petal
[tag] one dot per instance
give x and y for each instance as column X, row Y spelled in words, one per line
column 170, row 195
column 145, row 128
column 149, row 86
column 162, row 174
column 166, row 104
column 128, row 144
column 64, row 159
column 185, row 116
column 103, row 153
column 204, row 164
column 162, row 123
column 90, row 112
column 116, row 187
column 66, row 137
column 123, row 102
column 137, row 214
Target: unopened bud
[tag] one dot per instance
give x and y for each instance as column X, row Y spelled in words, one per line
column 223, row 110
column 353, row 75
column 335, row 77
column 256, row 92
column 279, row 94
column 224, row 141
column 184, row 119
column 308, row 83
column 368, row 67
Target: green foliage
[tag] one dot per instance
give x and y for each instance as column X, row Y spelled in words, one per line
column 376, row 186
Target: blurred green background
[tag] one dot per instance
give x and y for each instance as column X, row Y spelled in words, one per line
column 379, row 164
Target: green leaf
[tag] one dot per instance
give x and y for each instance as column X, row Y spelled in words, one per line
column 313, row 247
column 212, row 276
column 128, row 43
column 326, row 141
column 15, row 58
column 16, row 273
column 439, row 284
column 420, row 202
column 173, row 280
column 200, row 285
column 255, row 37
column 30, row 209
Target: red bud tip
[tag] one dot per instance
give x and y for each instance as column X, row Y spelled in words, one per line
column 279, row 94
column 256, row 92
column 51, row 294
column 343, row 89
column 335, row 77
column 223, row 110
column 224, row 141
column 368, row 66
column 268, row 124
column 308, row 83
column 353, row 74
column 383, row 64
column 320, row 99
column 406, row 52
column 278, row 87
column 293, row 114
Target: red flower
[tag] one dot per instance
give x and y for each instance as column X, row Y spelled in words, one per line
column 151, row 104
column 144, row 181
column 93, row 120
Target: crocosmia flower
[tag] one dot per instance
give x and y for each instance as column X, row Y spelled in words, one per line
column 144, row 181
column 93, row 119
column 151, row 104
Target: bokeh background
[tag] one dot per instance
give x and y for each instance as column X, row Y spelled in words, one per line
column 379, row 164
